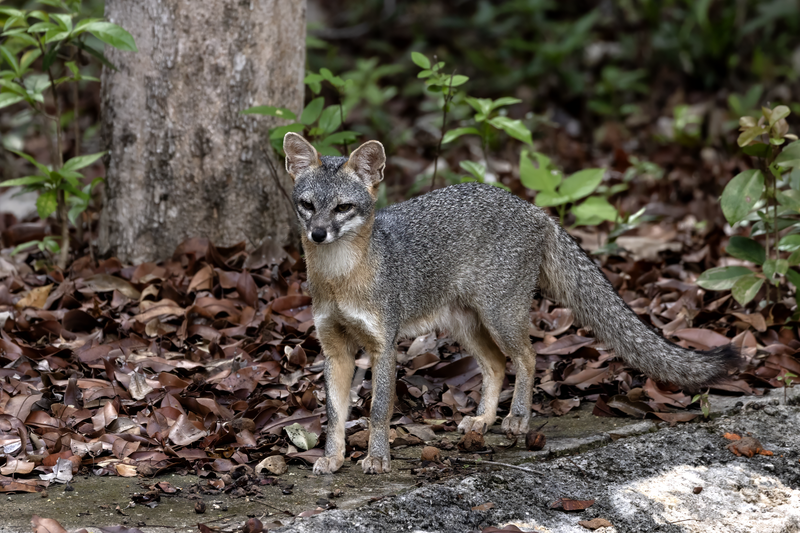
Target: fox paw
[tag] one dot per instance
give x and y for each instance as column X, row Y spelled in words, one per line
column 328, row 465
column 474, row 423
column 516, row 425
column 376, row 465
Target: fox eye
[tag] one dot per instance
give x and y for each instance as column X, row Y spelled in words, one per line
column 308, row 206
column 343, row 208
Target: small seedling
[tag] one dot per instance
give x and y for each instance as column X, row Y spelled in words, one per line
column 705, row 404
column 788, row 381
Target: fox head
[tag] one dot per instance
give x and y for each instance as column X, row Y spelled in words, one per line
column 333, row 196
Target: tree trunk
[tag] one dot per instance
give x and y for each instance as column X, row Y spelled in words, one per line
column 182, row 162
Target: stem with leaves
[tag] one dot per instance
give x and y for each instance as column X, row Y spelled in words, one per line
column 58, row 162
column 448, row 97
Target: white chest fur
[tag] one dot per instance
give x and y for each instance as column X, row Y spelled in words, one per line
column 337, row 259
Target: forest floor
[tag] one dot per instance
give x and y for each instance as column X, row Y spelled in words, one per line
column 621, row 475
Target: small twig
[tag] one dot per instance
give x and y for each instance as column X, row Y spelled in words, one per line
column 583, row 472
column 684, row 520
column 476, row 463
column 274, row 174
column 276, row 509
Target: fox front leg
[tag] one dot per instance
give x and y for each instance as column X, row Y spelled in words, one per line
column 378, row 460
column 339, row 366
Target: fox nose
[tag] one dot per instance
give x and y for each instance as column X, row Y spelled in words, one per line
column 319, row 234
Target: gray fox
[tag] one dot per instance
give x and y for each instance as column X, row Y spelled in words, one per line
column 466, row 258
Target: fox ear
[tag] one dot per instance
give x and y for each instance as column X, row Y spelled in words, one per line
column 368, row 162
column 300, row 155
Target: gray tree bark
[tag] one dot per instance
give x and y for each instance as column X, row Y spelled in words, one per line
column 182, row 162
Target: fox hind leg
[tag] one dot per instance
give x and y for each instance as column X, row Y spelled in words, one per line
column 493, row 366
column 511, row 336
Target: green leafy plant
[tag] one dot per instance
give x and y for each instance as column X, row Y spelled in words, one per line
column 536, row 170
column 41, row 51
column 741, row 105
column 47, row 244
column 559, row 192
column 614, row 87
column 444, row 86
column 768, row 199
column 364, row 88
column 705, row 404
column 317, row 122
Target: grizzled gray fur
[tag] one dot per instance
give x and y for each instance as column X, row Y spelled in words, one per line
column 467, row 258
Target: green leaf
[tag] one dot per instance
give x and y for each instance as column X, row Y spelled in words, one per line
column 30, row 159
column 789, row 243
column 95, row 53
column 456, row 80
column 16, row 87
column 81, row 26
column 15, row 21
column 312, row 111
column 789, row 156
column 55, row 35
column 778, row 113
column 794, row 278
column 47, row 203
column 756, row 149
column 477, row 170
column 39, row 14
column 336, row 81
column 330, row 119
column 10, row 58
column 549, row 199
column 794, row 258
column 113, row 35
column 77, row 163
column 746, row 288
column 11, row 12
column 594, row 210
column 55, row 3
column 314, row 82
column 7, row 99
column 270, row 110
column 420, row 60
column 515, row 128
column 775, row 266
column 27, row 58
column 582, row 183
column 64, row 21
column 789, row 198
column 73, row 68
column 481, row 105
column 747, row 249
column 280, row 131
column 741, row 194
column 542, row 178
column 722, row 278
column 424, row 74
column 27, row 180
column 750, row 134
column 454, row 134
column 504, row 101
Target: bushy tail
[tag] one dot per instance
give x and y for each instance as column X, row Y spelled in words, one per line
column 569, row 277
